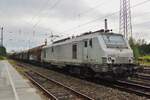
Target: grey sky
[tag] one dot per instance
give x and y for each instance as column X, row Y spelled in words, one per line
column 27, row 23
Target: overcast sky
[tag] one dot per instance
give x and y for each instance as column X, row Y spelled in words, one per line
column 27, row 23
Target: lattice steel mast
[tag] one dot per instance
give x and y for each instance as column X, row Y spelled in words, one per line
column 125, row 26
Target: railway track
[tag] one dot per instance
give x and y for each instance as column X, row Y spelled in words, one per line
column 134, row 87
column 146, row 70
column 124, row 85
column 55, row 90
column 143, row 76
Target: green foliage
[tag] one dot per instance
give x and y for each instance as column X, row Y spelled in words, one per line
column 145, row 60
column 147, row 57
column 2, row 51
column 144, row 49
column 141, row 51
column 136, row 51
column 2, row 58
column 135, row 48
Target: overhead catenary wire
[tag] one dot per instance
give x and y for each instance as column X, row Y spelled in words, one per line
column 79, row 15
column 91, row 9
column 55, row 4
column 41, row 9
column 109, row 15
column 52, row 7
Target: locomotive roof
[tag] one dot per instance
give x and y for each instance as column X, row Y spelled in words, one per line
column 86, row 35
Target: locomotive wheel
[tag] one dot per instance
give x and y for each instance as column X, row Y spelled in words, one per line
column 87, row 72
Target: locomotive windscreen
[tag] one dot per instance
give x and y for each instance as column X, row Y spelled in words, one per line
column 114, row 41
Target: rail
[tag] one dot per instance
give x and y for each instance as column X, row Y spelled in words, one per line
column 80, row 95
column 134, row 87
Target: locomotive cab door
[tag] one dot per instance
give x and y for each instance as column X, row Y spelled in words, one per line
column 74, row 51
column 85, row 50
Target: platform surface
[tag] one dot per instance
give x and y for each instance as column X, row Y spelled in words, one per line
column 13, row 86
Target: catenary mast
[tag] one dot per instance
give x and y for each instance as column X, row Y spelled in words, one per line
column 125, row 25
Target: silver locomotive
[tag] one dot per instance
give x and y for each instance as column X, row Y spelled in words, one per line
column 93, row 53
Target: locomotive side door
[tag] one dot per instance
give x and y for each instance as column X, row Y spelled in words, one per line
column 85, row 50
column 74, row 51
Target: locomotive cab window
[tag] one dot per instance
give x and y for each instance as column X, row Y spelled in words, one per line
column 114, row 41
column 74, row 51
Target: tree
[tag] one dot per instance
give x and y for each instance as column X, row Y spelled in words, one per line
column 144, row 49
column 2, row 51
column 135, row 48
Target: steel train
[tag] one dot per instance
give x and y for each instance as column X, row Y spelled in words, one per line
column 99, row 53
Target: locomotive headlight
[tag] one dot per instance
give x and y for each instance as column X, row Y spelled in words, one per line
column 111, row 59
column 108, row 60
column 131, row 60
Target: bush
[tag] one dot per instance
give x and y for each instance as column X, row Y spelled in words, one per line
column 135, row 48
column 136, row 52
column 144, row 60
column 2, row 51
column 2, row 58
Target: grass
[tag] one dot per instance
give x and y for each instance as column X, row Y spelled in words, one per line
column 146, row 57
column 2, row 58
column 145, row 60
column 18, row 68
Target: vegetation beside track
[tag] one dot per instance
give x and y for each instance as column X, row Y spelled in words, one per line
column 20, row 69
column 2, row 58
column 141, row 50
column 145, row 60
column 2, row 51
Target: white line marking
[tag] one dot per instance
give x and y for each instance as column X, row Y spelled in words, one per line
column 12, row 84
